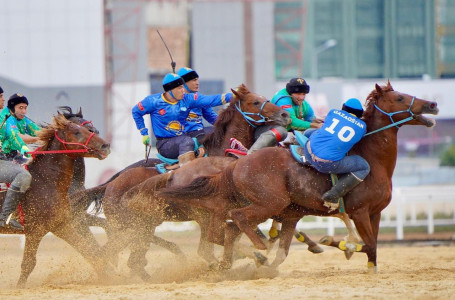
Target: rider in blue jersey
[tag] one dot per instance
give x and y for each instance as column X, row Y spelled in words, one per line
column 195, row 126
column 168, row 112
column 327, row 147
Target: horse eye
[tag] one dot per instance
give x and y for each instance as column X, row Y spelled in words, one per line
column 400, row 99
column 256, row 103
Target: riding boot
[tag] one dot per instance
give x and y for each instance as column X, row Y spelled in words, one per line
column 186, row 158
column 267, row 139
column 12, row 200
column 342, row 187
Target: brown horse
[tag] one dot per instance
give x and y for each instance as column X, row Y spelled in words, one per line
column 46, row 205
column 270, row 182
column 230, row 123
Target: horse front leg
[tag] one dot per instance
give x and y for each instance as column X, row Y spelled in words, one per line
column 232, row 232
column 86, row 245
column 287, row 232
column 32, row 241
column 254, row 213
column 206, row 249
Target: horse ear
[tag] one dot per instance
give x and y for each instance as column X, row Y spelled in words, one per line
column 80, row 112
column 237, row 94
column 389, row 86
column 378, row 89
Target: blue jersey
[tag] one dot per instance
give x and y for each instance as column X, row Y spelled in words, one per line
column 196, row 115
column 335, row 138
column 169, row 119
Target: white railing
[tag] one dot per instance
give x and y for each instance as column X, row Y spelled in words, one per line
column 407, row 203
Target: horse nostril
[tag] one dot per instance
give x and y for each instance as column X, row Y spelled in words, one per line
column 105, row 146
column 433, row 105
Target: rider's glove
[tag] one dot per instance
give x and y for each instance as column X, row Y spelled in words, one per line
column 146, row 140
column 24, row 150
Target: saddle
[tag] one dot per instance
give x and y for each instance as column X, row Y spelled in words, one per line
column 297, row 150
column 170, row 164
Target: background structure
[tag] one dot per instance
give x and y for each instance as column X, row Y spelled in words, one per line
column 105, row 56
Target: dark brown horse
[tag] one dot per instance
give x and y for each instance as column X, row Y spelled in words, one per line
column 270, row 182
column 46, row 205
column 230, row 123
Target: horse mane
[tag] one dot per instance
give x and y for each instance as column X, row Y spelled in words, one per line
column 47, row 134
column 215, row 138
column 68, row 112
column 373, row 99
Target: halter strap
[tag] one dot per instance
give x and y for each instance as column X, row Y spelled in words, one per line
column 246, row 115
column 390, row 115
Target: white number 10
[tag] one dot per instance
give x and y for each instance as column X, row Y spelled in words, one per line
column 345, row 134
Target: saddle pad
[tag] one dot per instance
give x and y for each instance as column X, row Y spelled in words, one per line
column 169, row 161
column 300, row 137
column 297, row 153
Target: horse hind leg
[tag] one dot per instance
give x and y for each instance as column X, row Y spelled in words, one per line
column 231, row 233
column 239, row 217
column 32, row 241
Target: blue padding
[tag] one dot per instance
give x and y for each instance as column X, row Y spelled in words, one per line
column 169, row 161
column 300, row 137
column 161, row 168
column 295, row 153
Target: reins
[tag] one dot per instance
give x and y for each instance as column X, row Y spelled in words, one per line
column 390, row 115
column 246, row 115
column 66, row 151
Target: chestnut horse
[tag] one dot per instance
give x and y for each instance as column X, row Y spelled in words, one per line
column 271, row 183
column 46, row 205
column 238, row 120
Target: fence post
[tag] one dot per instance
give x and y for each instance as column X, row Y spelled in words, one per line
column 401, row 214
column 330, row 226
column 430, row 216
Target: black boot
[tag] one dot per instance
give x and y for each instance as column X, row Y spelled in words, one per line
column 267, row 139
column 342, row 187
column 12, row 200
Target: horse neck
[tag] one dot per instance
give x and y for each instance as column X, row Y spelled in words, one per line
column 380, row 149
column 53, row 168
column 237, row 128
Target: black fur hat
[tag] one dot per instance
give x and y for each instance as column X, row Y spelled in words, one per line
column 297, row 85
column 1, row 90
column 15, row 100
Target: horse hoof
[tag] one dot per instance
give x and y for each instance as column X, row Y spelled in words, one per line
column 315, row 249
column 260, row 259
column 348, row 254
column 326, row 240
column 224, row 265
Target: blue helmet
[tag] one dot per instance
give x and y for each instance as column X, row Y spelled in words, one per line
column 171, row 81
column 187, row 74
column 353, row 106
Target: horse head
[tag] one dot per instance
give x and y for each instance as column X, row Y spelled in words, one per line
column 77, row 118
column 66, row 135
column 257, row 110
column 398, row 108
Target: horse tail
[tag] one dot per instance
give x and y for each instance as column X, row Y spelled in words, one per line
column 96, row 195
column 200, row 187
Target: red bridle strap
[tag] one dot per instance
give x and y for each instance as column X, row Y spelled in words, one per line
column 84, row 146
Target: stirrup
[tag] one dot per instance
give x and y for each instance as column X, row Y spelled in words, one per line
column 11, row 223
column 200, row 152
column 331, row 205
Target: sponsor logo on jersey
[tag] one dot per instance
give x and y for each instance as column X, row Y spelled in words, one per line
column 176, row 127
column 286, row 106
column 162, row 111
column 139, row 105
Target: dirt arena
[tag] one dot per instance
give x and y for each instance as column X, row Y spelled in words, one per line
column 420, row 271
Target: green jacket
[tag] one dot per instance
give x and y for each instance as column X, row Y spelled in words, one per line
column 9, row 133
column 301, row 116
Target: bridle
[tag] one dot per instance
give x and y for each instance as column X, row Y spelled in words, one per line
column 246, row 115
column 391, row 114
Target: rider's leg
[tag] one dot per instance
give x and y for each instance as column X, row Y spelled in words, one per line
column 268, row 136
column 355, row 169
column 14, row 195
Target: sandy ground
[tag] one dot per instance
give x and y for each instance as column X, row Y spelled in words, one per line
column 420, row 271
